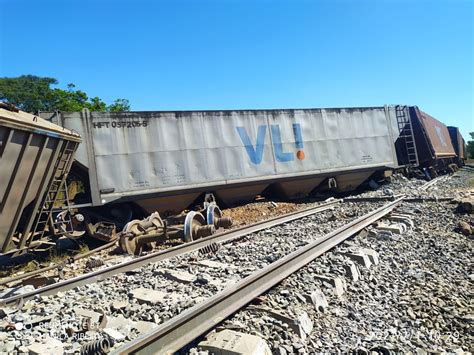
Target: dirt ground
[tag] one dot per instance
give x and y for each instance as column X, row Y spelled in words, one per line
column 260, row 210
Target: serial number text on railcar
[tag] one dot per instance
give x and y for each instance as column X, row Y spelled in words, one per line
column 120, row 124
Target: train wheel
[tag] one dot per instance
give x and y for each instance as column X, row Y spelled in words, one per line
column 128, row 244
column 156, row 220
column 133, row 227
column 195, row 227
column 213, row 212
column 158, row 223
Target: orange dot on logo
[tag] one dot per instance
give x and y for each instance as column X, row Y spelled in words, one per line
column 300, row 154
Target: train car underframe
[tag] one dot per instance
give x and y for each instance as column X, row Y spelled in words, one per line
column 138, row 225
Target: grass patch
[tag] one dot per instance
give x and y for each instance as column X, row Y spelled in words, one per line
column 84, row 248
column 470, row 182
column 57, row 257
column 52, row 256
column 30, row 266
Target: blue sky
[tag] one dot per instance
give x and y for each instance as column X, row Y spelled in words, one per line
column 172, row 55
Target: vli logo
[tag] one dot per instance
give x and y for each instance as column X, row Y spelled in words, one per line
column 256, row 153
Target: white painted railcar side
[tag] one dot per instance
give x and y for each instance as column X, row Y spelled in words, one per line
column 235, row 154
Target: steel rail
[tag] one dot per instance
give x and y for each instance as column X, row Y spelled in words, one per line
column 406, row 199
column 428, row 199
column 432, row 182
column 107, row 272
column 69, row 261
column 423, row 187
column 372, row 198
column 177, row 332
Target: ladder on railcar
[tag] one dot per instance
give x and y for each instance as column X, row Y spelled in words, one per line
column 406, row 134
column 56, row 198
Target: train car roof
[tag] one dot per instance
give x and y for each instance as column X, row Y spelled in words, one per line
column 12, row 117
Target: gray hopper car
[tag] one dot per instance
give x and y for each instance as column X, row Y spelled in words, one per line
column 164, row 160
column 35, row 158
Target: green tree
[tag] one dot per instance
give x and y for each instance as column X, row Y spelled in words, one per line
column 32, row 93
column 119, row 105
column 470, row 146
column 28, row 92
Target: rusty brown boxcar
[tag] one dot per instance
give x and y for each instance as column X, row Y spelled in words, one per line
column 433, row 143
column 458, row 143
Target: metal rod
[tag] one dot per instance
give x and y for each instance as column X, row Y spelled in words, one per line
column 432, row 182
column 372, row 198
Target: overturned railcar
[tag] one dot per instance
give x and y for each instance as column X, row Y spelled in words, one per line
column 165, row 160
column 459, row 144
column 433, row 143
column 35, row 157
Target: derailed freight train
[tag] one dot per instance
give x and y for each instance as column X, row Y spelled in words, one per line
column 35, row 158
column 135, row 163
column 459, row 145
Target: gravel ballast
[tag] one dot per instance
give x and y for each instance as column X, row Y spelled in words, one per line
column 417, row 299
column 416, row 295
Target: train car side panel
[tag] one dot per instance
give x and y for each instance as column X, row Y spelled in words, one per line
column 459, row 145
column 29, row 149
column 141, row 153
column 433, row 142
column 438, row 135
column 458, row 142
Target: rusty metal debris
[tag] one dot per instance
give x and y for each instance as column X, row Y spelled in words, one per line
column 135, row 263
column 97, row 347
column 59, row 267
column 93, row 263
column 209, row 249
column 138, row 236
column 88, row 325
column 91, row 326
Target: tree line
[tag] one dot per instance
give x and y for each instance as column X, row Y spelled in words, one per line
column 32, row 93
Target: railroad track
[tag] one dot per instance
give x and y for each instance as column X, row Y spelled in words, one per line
column 107, row 272
column 433, row 182
column 183, row 329
column 179, row 331
column 66, row 304
column 205, row 315
column 68, row 261
column 7, row 280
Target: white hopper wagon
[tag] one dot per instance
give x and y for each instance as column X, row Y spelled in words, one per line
column 165, row 160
